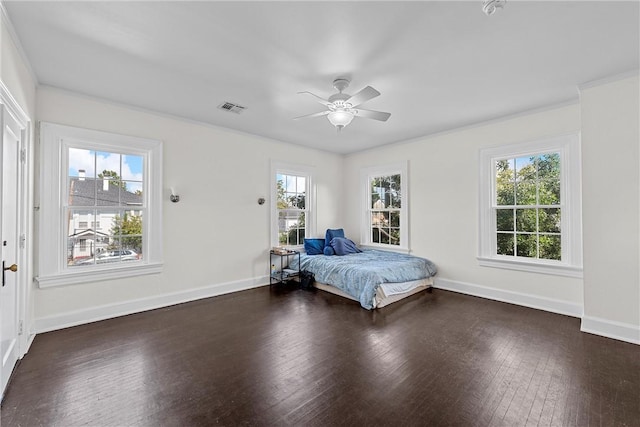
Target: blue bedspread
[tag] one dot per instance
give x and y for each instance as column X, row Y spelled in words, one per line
column 359, row 275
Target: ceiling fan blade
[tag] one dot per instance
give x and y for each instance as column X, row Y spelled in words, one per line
column 376, row 115
column 320, row 100
column 321, row 113
column 364, row 95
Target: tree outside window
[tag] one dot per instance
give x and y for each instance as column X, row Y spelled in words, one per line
column 527, row 207
column 111, row 198
column 291, row 209
column 385, row 204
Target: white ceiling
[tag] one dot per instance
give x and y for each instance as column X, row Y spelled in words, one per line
column 439, row 65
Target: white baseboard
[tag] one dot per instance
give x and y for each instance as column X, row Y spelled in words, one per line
column 93, row 314
column 527, row 300
column 611, row 329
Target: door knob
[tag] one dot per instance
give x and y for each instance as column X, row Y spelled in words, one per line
column 12, row 267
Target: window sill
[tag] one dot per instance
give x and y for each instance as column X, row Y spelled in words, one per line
column 95, row 275
column 532, row 267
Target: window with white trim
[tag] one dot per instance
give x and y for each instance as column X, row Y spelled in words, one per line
column 101, row 209
column 385, row 222
column 530, row 206
column 292, row 205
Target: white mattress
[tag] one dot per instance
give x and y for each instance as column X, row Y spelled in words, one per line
column 397, row 291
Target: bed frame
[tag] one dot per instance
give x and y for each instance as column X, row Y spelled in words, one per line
column 380, row 299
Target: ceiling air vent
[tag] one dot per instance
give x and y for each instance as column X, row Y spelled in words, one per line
column 230, row 106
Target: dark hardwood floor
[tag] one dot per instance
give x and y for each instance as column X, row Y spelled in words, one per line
column 282, row 356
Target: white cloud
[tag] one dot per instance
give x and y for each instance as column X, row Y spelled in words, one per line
column 91, row 161
column 81, row 160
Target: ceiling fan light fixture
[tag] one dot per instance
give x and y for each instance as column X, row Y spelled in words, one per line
column 342, row 107
column 340, row 118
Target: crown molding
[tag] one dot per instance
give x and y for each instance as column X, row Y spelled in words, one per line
column 609, row 79
column 6, row 20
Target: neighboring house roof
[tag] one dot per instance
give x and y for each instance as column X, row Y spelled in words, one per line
column 91, row 192
column 89, row 233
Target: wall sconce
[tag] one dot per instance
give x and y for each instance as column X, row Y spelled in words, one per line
column 261, row 201
column 174, row 197
column 489, row 7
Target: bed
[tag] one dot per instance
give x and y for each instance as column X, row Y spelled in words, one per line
column 374, row 278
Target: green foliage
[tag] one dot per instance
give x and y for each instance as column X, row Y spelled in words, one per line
column 386, row 200
column 528, row 198
column 388, row 189
column 295, row 234
column 289, row 202
column 129, row 231
column 114, row 178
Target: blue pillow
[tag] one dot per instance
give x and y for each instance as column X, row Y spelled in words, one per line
column 313, row 246
column 343, row 246
column 330, row 234
column 328, row 251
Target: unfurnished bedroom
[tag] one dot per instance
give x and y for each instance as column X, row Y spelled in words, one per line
column 276, row 213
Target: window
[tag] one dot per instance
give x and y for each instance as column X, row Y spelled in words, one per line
column 385, row 221
column 111, row 182
column 530, row 206
column 292, row 206
column 104, row 187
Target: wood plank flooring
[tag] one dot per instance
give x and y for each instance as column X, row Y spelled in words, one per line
column 279, row 356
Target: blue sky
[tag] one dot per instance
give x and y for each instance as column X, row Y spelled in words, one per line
column 129, row 167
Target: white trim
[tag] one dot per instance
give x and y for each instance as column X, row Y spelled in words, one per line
column 465, row 127
column 611, row 329
column 366, row 174
column 527, row 300
column 55, row 140
column 182, row 119
column 76, row 277
column 16, row 42
column 539, row 267
column 13, row 106
column 387, row 248
column 609, row 79
column 108, row 311
column 311, row 224
column 24, row 213
column 571, row 204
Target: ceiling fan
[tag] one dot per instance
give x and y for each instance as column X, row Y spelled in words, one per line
column 342, row 107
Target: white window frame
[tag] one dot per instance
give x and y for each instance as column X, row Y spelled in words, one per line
column 310, row 199
column 55, row 141
column 570, row 206
column 366, row 175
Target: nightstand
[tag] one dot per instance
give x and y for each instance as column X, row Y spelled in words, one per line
column 279, row 264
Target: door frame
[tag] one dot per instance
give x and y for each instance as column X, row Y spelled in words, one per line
column 24, row 219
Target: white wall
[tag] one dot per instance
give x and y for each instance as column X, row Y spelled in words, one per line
column 611, row 190
column 443, row 198
column 216, row 239
column 443, row 201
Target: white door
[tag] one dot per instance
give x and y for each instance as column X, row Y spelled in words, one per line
column 9, row 218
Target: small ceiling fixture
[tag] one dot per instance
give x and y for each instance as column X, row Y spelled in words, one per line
column 489, row 7
column 341, row 106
